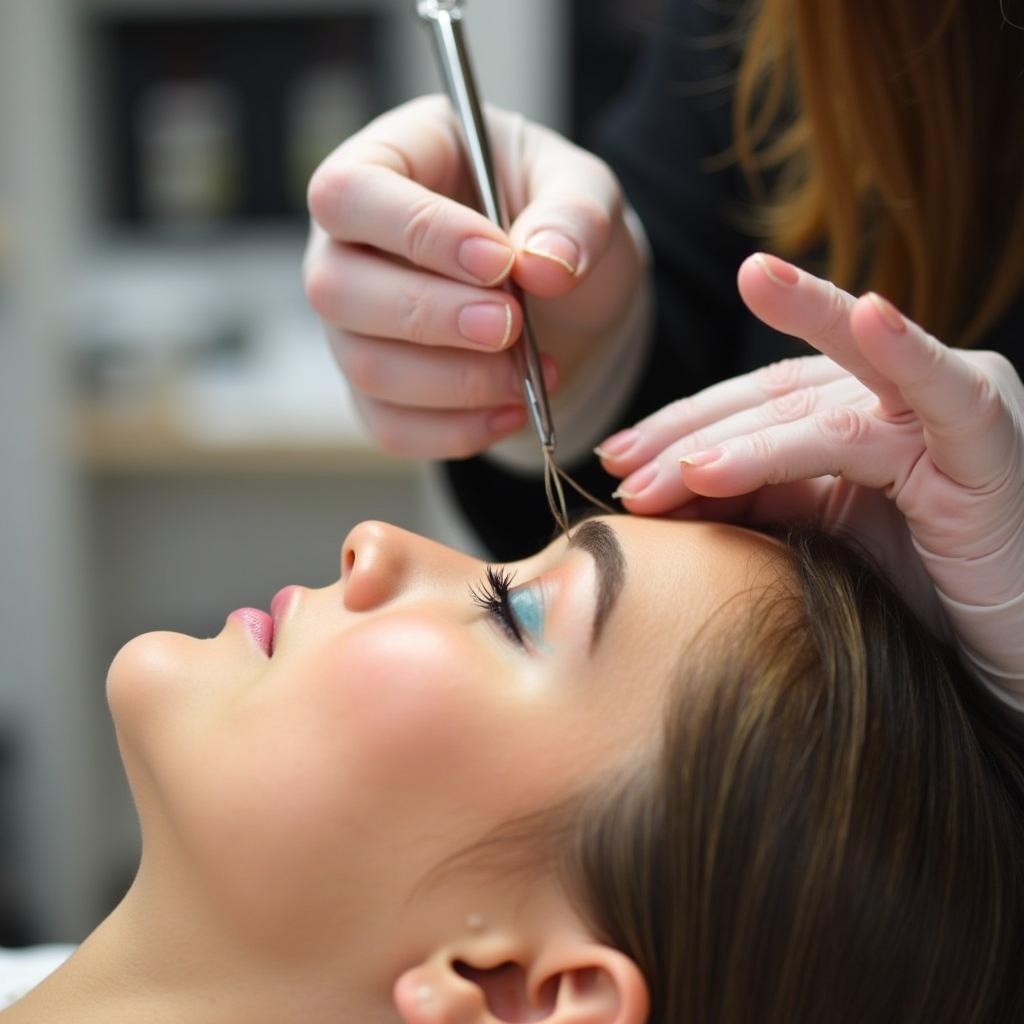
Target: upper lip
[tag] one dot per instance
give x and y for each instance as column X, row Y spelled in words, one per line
column 279, row 606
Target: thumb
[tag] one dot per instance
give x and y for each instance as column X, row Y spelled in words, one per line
column 574, row 205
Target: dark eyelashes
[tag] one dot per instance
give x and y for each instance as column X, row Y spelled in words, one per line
column 492, row 596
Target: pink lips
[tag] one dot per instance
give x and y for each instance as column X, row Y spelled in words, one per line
column 282, row 601
column 261, row 626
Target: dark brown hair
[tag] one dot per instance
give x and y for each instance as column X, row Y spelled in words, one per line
column 902, row 149
column 832, row 831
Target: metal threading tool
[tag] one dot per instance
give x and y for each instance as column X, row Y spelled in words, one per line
column 445, row 17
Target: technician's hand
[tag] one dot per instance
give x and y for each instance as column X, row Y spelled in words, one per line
column 888, row 427
column 407, row 278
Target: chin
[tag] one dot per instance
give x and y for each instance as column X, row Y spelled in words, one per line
column 147, row 669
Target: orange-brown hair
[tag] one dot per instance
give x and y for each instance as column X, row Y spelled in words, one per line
column 891, row 131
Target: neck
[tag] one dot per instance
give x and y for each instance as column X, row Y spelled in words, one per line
column 138, row 965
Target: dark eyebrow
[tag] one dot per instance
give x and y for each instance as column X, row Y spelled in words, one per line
column 598, row 539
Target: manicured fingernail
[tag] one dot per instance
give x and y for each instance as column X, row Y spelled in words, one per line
column 782, row 273
column 618, row 444
column 635, row 485
column 507, row 420
column 554, row 246
column 889, row 313
column 488, row 261
column 487, row 323
column 700, row 459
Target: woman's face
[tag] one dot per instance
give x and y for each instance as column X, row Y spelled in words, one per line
column 398, row 720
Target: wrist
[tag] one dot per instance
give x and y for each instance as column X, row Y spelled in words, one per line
column 991, row 640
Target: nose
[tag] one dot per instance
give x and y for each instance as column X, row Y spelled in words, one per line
column 379, row 562
column 374, row 563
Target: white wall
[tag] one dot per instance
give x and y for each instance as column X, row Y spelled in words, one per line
column 43, row 625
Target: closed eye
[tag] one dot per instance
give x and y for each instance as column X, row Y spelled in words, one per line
column 519, row 613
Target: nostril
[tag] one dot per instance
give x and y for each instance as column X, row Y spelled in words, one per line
column 348, row 562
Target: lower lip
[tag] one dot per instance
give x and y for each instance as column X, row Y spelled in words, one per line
column 259, row 625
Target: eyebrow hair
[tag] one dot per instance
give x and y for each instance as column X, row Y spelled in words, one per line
column 600, row 542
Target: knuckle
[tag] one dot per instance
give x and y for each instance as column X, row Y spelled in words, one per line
column 995, row 363
column 472, row 386
column 793, row 405
column 414, row 311
column 320, row 288
column 698, row 441
column 994, row 369
column 762, row 447
column 422, row 229
column 319, row 193
column 780, row 377
column 833, row 314
column 388, row 433
column 588, row 211
column 986, row 401
column 932, row 362
column 843, row 426
column 330, row 189
column 362, row 369
column 683, row 412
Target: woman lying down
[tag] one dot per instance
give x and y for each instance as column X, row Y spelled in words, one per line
column 663, row 771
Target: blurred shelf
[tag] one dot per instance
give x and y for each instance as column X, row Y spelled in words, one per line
column 220, row 8
column 149, row 442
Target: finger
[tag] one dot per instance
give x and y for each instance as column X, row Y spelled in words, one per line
column 389, row 186
column 652, row 493
column 841, row 441
column 629, row 450
column 801, row 500
column 971, row 436
column 361, row 291
column 418, row 434
column 423, row 378
column 807, row 307
column 574, row 209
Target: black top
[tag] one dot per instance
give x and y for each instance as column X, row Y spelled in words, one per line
column 675, row 114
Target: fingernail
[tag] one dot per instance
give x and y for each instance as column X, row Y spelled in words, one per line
column 889, row 313
column 700, row 459
column 635, row 485
column 618, row 444
column 554, row 246
column 505, row 421
column 487, row 323
column 488, row 261
column 782, row 273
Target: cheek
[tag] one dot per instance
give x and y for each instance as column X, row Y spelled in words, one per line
column 331, row 774
column 405, row 696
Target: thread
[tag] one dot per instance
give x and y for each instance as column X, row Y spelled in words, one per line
column 554, row 476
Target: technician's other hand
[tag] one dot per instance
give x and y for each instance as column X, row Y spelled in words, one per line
column 406, row 277
column 887, row 430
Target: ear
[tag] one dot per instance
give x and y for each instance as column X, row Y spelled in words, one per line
column 567, row 982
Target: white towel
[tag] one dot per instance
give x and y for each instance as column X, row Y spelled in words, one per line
column 22, row 969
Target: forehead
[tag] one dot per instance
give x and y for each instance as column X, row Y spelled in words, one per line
column 685, row 578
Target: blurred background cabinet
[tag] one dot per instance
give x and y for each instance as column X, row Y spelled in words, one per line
column 174, row 439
